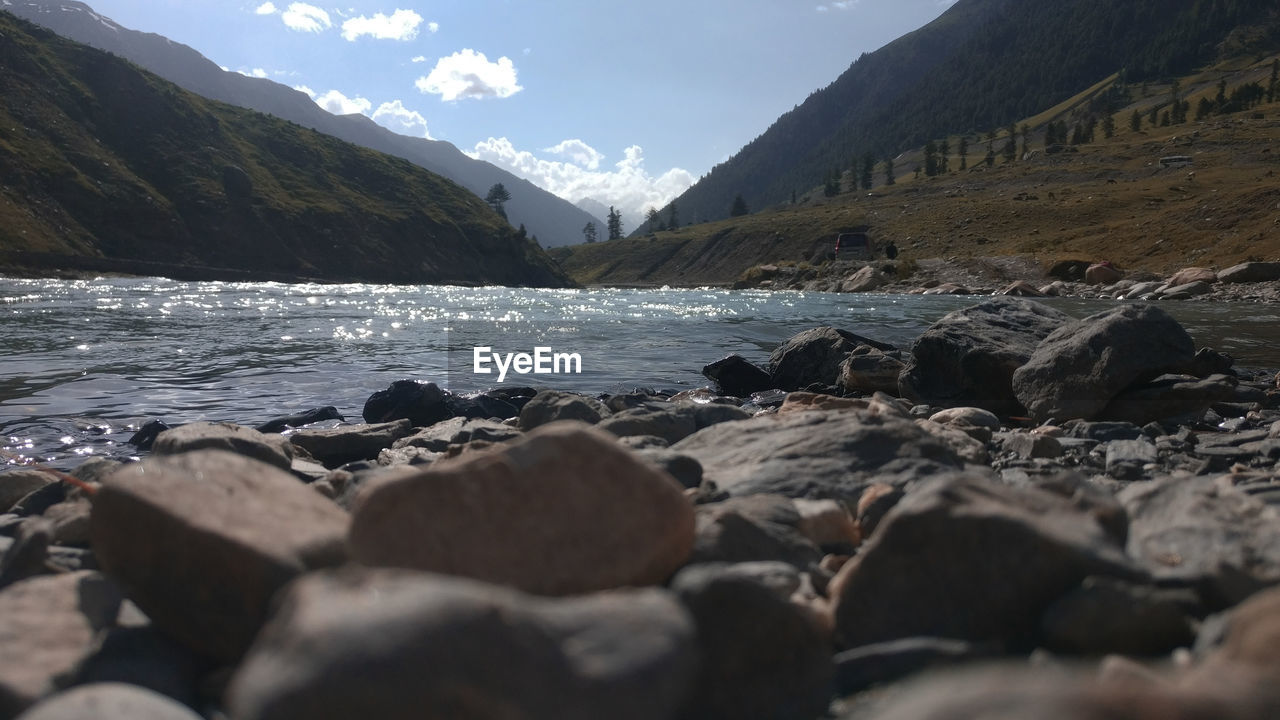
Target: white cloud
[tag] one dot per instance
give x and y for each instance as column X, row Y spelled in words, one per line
column 397, row 118
column 434, row 27
column 419, row 59
column 258, row 73
column 305, row 89
column 306, row 18
column 266, row 8
column 469, row 74
column 339, row 104
column 399, row 25
column 627, row 186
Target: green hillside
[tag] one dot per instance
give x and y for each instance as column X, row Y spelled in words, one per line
column 981, row 65
column 104, row 166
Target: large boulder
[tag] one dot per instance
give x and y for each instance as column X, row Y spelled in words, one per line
column 969, row 356
column 552, row 405
column 565, row 509
column 969, row 559
column 866, row 279
column 394, row 644
column 1102, row 274
column 422, row 404
column 753, row 528
column 1169, row 398
column 816, row 453
column 868, row 370
column 671, row 422
column 814, row 357
column 17, row 484
column 341, row 445
column 1186, row 276
column 1251, row 272
column 202, row 541
column 1078, row 369
column 48, row 626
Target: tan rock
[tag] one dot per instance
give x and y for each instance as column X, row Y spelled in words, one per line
column 1100, row 274
column 48, row 626
column 564, row 510
column 17, row 484
column 827, row 522
column 800, row 401
column 203, row 540
column 1190, row 275
column 270, row 449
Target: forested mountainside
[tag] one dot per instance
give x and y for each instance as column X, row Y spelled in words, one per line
column 555, row 221
column 978, row 67
column 104, row 166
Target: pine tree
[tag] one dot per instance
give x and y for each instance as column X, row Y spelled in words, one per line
column 739, row 207
column 888, row 171
column 1135, row 121
column 944, row 156
column 964, row 152
column 615, row 224
column 1273, row 87
column 497, row 198
column 1025, row 131
column 868, row 168
column 652, row 219
column 930, row 158
column 1108, row 126
column 589, row 232
column 673, row 219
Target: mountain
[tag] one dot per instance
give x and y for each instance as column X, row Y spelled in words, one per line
column 106, row 167
column 979, row 66
column 553, row 220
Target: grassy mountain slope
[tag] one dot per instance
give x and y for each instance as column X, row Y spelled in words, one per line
column 555, row 221
column 100, row 160
column 1111, row 199
column 981, row 65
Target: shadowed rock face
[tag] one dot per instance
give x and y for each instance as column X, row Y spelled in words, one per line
column 968, row 358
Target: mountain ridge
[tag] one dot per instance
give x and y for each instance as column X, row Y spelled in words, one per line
column 553, row 220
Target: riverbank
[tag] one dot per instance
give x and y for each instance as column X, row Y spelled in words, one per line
column 800, row 540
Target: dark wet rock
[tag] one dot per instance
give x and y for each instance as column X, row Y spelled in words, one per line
column 670, row 422
column 1069, row 270
column 1208, row 361
column 1105, row 616
column 1078, row 369
column 1169, row 397
column 341, row 445
column 816, row 454
column 270, row 449
column 38, row 501
column 146, row 435
column 998, row 555
column 762, row 656
column 814, row 357
column 297, row 420
column 753, row 528
column 1103, row 431
column 109, row 701
column 1198, row 529
column 562, row 510
column 686, row 470
column 552, row 405
column 457, row 431
column 441, row 647
column 864, row 667
column 868, row 370
column 203, row 540
column 482, row 406
column 1128, row 459
column 147, row 658
column 422, row 404
column 735, row 375
column 48, row 626
column 968, row 358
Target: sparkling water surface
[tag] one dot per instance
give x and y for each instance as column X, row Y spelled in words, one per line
column 84, row 363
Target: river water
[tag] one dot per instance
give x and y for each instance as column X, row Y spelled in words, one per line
column 84, row 363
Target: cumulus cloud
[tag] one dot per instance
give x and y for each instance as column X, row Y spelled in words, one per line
column 266, row 8
column 419, row 59
column 397, row 118
column 627, row 185
column 306, row 18
column 434, row 27
column 305, row 89
column 339, row 104
column 399, row 25
column 469, row 74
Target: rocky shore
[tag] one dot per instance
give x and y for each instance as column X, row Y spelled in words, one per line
column 1020, row 515
column 1022, row 277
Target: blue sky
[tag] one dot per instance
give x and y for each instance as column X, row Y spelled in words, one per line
column 624, row 102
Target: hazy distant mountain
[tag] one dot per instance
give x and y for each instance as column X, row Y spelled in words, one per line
column 104, row 166
column 553, row 220
column 980, row 66
column 597, row 210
